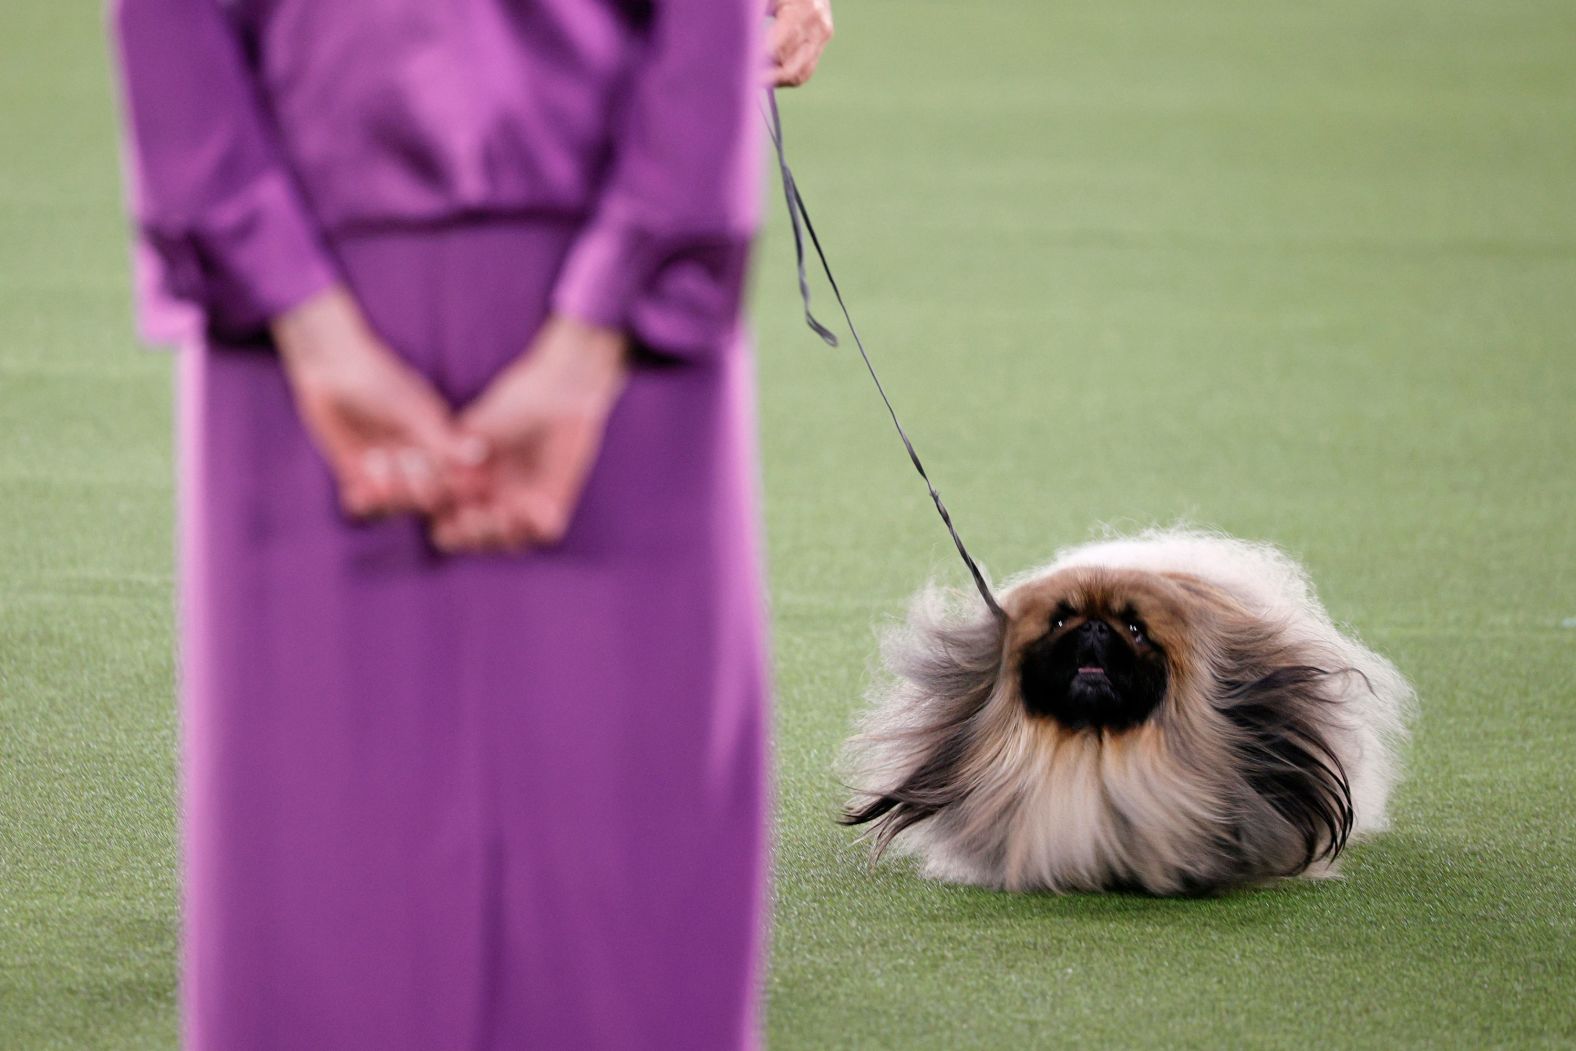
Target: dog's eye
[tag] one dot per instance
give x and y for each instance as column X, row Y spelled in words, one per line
column 1136, row 630
column 1061, row 616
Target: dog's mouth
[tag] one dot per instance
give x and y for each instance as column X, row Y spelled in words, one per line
column 1091, row 680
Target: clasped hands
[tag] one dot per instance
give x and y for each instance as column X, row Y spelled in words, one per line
column 506, row 471
column 503, row 473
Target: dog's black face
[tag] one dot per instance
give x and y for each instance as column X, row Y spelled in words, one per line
column 1093, row 668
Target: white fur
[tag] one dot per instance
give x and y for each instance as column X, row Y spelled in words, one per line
column 1058, row 812
column 1263, row 576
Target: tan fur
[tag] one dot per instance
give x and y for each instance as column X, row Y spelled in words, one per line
column 1166, row 805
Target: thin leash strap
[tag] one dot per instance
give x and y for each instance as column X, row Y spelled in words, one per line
column 795, row 208
column 798, row 214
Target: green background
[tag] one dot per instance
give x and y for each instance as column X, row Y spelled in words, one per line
column 1304, row 272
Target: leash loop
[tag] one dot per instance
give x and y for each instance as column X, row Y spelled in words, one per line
column 799, row 215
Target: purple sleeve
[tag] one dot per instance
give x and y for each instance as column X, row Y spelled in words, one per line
column 223, row 236
column 665, row 254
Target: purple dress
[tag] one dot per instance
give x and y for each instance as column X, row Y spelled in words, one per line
column 471, row 802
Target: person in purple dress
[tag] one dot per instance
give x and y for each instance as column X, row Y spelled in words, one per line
column 472, row 650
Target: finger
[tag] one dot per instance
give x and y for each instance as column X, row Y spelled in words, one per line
column 517, row 530
column 450, row 532
column 786, row 51
column 798, row 69
column 471, row 449
column 462, row 456
column 783, row 78
column 466, row 467
column 356, row 500
column 494, row 532
column 472, row 529
column 550, row 519
column 778, row 76
column 514, row 439
column 420, row 479
column 374, row 476
column 350, row 483
column 786, row 37
column 444, row 532
column 398, row 496
column 797, row 38
column 550, row 502
column 428, row 426
column 531, row 519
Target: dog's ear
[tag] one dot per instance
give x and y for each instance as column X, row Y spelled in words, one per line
column 943, row 663
column 1283, row 716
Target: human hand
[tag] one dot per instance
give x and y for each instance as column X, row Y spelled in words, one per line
column 799, row 33
column 542, row 419
column 386, row 433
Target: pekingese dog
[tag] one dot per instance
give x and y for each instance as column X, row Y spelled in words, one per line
column 1173, row 713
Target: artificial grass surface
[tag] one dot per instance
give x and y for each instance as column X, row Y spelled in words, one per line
column 1303, row 272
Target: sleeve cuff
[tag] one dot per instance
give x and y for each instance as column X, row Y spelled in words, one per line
column 679, row 296
column 250, row 259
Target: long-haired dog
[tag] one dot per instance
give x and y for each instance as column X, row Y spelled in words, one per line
column 1173, row 713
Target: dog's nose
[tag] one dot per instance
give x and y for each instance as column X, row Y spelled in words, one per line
column 1096, row 629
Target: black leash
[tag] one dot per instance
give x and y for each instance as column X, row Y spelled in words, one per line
column 799, row 215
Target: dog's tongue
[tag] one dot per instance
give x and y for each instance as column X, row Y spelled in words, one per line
column 1091, row 669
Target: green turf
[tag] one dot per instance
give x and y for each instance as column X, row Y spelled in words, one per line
column 1306, row 272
